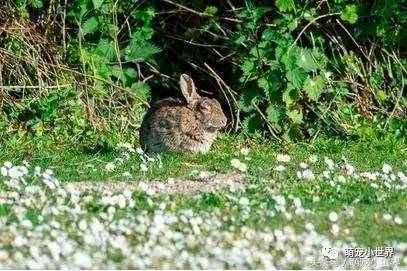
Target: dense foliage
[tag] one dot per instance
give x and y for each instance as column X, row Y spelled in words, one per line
column 284, row 69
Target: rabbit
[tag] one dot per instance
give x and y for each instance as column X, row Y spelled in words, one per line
column 187, row 126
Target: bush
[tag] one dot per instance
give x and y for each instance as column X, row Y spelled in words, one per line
column 286, row 69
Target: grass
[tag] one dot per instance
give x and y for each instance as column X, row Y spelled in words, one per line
column 70, row 161
column 366, row 226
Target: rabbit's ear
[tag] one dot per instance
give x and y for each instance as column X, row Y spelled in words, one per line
column 188, row 89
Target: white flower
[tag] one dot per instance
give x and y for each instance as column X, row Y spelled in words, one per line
column 279, row 168
column 329, row 163
column 127, row 174
column 398, row 220
column 303, row 165
column 386, row 169
column 313, row 158
column 280, row 200
column 387, row 217
column 245, row 151
column 349, row 169
column 341, row 179
column 83, row 225
column 19, row 241
column 235, row 163
column 326, row 174
column 242, row 167
column 297, row 203
column 309, row 226
column 111, row 210
column 402, row 177
column 244, row 201
column 119, row 161
column 8, row 164
column 15, row 173
column 143, row 186
column 127, row 193
column 333, row 216
column 37, row 171
column 121, row 201
column 3, row 255
column 27, row 224
column 82, row 259
column 55, row 250
column 283, row 158
column 127, row 146
column 335, row 229
column 23, row 170
column 143, row 167
column 308, row 174
column 110, row 167
column 4, row 171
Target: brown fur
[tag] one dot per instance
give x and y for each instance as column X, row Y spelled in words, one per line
column 175, row 125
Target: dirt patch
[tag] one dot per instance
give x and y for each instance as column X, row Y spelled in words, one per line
column 200, row 182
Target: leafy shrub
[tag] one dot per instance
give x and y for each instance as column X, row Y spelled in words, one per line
column 286, row 69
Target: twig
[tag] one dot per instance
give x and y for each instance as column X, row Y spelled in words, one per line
column 27, row 59
column 35, row 87
column 204, row 14
column 397, row 103
column 201, row 14
column 193, row 43
column 231, row 92
column 269, row 125
column 309, row 24
column 353, row 39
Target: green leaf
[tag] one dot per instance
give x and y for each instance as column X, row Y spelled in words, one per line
column 145, row 15
column 275, row 114
column 293, row 133
column 291, row 95
column 106, row 49
column 306, row 60
column 271, row 84
column 238, row 38
column 248, row 98
column 103, row 70
column 141, row 90
column 296, row 77
column 295, row 116
column 380, row 96
column 350, row 14
column 142, row 34
column 90, row 26
column 117, row 72
column 285, row 5
column 36, row 3
column 130, row 75
column 97, row 3
column 211, row 10
column 137, row 52
column 314, row 86
column 248, row 67
column 253, row 124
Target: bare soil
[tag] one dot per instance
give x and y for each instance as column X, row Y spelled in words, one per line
column 203, row 181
